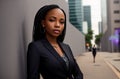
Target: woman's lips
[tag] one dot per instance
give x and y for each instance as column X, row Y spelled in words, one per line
column 56, row 31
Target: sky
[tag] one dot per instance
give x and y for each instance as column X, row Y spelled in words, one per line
column 95, row 13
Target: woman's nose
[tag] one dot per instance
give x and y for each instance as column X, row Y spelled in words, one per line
column 57, row 24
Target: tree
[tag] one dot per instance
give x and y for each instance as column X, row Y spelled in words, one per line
column 89, row 37
column 98, row 39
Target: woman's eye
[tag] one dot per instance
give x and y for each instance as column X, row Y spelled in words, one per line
column 62, row 22
column 51, row 20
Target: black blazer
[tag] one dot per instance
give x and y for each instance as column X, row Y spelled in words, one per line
column 43, row 59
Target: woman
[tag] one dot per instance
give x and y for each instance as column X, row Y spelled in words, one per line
column 47, row 54
column 94, row 53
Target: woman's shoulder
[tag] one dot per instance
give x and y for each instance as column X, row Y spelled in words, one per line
column 35, row 43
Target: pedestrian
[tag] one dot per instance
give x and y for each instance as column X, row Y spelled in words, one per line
column 94, row 53
column 47, row 54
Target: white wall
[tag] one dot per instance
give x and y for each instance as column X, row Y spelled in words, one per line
column 12, row 44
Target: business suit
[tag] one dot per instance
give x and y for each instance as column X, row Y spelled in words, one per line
column 43, row 59
column 94, row 51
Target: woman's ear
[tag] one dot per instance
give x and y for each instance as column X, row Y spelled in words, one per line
column 43, row 23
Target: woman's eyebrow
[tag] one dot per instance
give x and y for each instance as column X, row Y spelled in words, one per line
column 62, row 18
column 52, row 17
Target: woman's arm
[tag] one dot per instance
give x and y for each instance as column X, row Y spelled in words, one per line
column 76, row 70
column 33, row 61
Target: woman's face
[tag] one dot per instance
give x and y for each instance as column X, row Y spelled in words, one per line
column 54, row 23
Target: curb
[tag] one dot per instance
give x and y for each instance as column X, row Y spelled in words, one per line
column 115, row 70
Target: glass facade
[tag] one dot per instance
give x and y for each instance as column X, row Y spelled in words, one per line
column 87, row 15
column 76, row 13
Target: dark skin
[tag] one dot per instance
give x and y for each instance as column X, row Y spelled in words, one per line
column 54, row 25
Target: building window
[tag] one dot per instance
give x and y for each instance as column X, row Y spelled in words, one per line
column 117, row 21
column 116, row 1
column 116, row 11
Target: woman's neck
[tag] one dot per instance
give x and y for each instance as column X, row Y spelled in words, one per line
column 52, row 40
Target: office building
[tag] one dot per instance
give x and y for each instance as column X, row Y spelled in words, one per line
column 87, row 15
column 85, row 27
column 100, row 28
column 111, row 25
column 76, row 13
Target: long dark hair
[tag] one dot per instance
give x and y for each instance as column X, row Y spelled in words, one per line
column 38, row 30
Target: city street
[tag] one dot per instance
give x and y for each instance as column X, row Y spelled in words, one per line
column 103, row 68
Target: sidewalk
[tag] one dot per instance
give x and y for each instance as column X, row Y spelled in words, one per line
column 107, row 65
column 113, row 60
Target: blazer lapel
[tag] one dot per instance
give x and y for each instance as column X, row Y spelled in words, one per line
column 52, row 50
column 68, row 52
